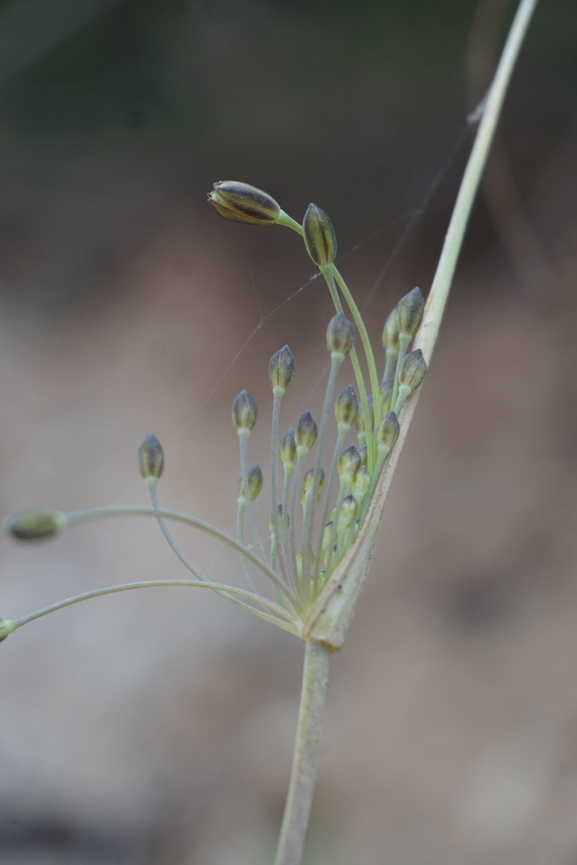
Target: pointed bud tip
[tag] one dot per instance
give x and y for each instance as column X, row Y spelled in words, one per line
column 244, row 411
column 281, row 368
column 340, row 334
column 410, row 311
column 241, row 202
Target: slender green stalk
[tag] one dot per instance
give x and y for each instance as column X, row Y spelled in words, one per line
column 170, row 540
column 327, row 502
column 285, row 525
column 293, row 514
column 243, row 441
column 239, row 527
column 285, row 219
column 344, row 490
column 138, row 511
column 308, row 525
column 390, row 363
column 404, row 340
column 279, row 547
column 306, row 755
column 219, row 588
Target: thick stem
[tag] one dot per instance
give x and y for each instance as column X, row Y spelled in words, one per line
column 306, row 755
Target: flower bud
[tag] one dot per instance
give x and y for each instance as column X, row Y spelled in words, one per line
column 386, row 392
column 254, row 480
column 388, row 431
column 241, row 202
column 299, row 563
column 306, row 432
column 413, row 370
column 364, row 452
column 308, row 481
column 35, row 524
column 288, row 449
column 327, row 532
column 244, row 411
column 360, row 422
column 281, row 368
column 361, row 484
column 391, row 332
column 347, row 514
column 346, row 407
column 5, row 629
column 340, row 335
column 150, row 458
column 280, row 520
column 319, row 236
column 349, row 462
column 410, row 311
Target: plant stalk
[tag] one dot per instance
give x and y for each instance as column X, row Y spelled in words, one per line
column 306, row 755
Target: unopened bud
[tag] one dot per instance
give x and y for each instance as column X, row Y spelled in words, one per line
column 281, row 368
column 280, row 520
column 288, row 449
column 364, row 452
column 254, row 480
column 35, row 524
column 386, row 392
column 388, row 431
column 413, row 370
column 244, row 411
column 391, row 332
column 349, row 462
column 346, row 407
column 241, row 202
column 319, row 236
column 308, row 481
column 306, row 432
column 327, row 532
column 410, row 311
column 340, row 335
column 299, row 563
column 347, row 514
column 150, row 458
column 361, row 483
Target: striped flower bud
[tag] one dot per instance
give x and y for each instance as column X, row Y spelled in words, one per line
column 364, row 452
column 288, row 449
column 410, row 311
column 319, row 236
column 241, row 202
column 340, row 335
column 388, row 431
column 347, row 514
column 244, row 411
column 308, row 481
column 361, row 484
column 306, row 432
column 413, row 370
column 349, row 462
column 254, row 480
column 391, row 332
column 386, row 392
column 346, row 407
column 150, row 458
column 35, row 524
column 281, row 368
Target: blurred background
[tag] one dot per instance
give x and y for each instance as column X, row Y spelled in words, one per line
column 157, row 727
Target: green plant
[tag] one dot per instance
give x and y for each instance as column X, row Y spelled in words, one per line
column 316, row 589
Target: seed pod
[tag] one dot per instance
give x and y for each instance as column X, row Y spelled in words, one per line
column 35, row 524
column 391, row 332
column 244, row 411
column 410, row 311
column 254, row 479
column 319, row 236
column 288, row 449
column 150, row 458
column 388, row 431
column 340, row 335
column 349, row 462
column 241, row 202
column 281, row 368
column 346, row 407
column 386, row 391
column 413, row 370
column 306, row 432
column 5, row 630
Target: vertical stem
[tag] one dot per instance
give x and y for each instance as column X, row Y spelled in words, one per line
column 274, row 487
column 306, row 755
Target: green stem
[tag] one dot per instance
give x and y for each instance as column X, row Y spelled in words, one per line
column 219, row 588
column 243, row 441
column 239, row 527
column 137, row 511
column 274, row 487
column 343, row 430
column 293, row 516
column 306, row 755
column 284, row 219
column 404, row 340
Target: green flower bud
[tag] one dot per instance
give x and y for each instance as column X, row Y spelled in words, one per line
column 347, row 514
column 308, row 485
column 410, row 311
column 386, row 391
column 288, row 449
column 361, row 484
column 281, row 368
column 150, row 458
column 35, row 524
column 319, row 236
column 340, row 335
column 327, row 531
column 346, row 407
column 280, row 525
column 299, row 563
column 5, row 629
column 360, row 422
column 254, row 479
column 244, row 411
column 391, row 332
column 364, row 452
column 413, row 370
column 388, row 431
column 349, row 462
column 241, row 202
column 306, row 432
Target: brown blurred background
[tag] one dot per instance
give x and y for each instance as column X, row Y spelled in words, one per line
column 157, row 727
